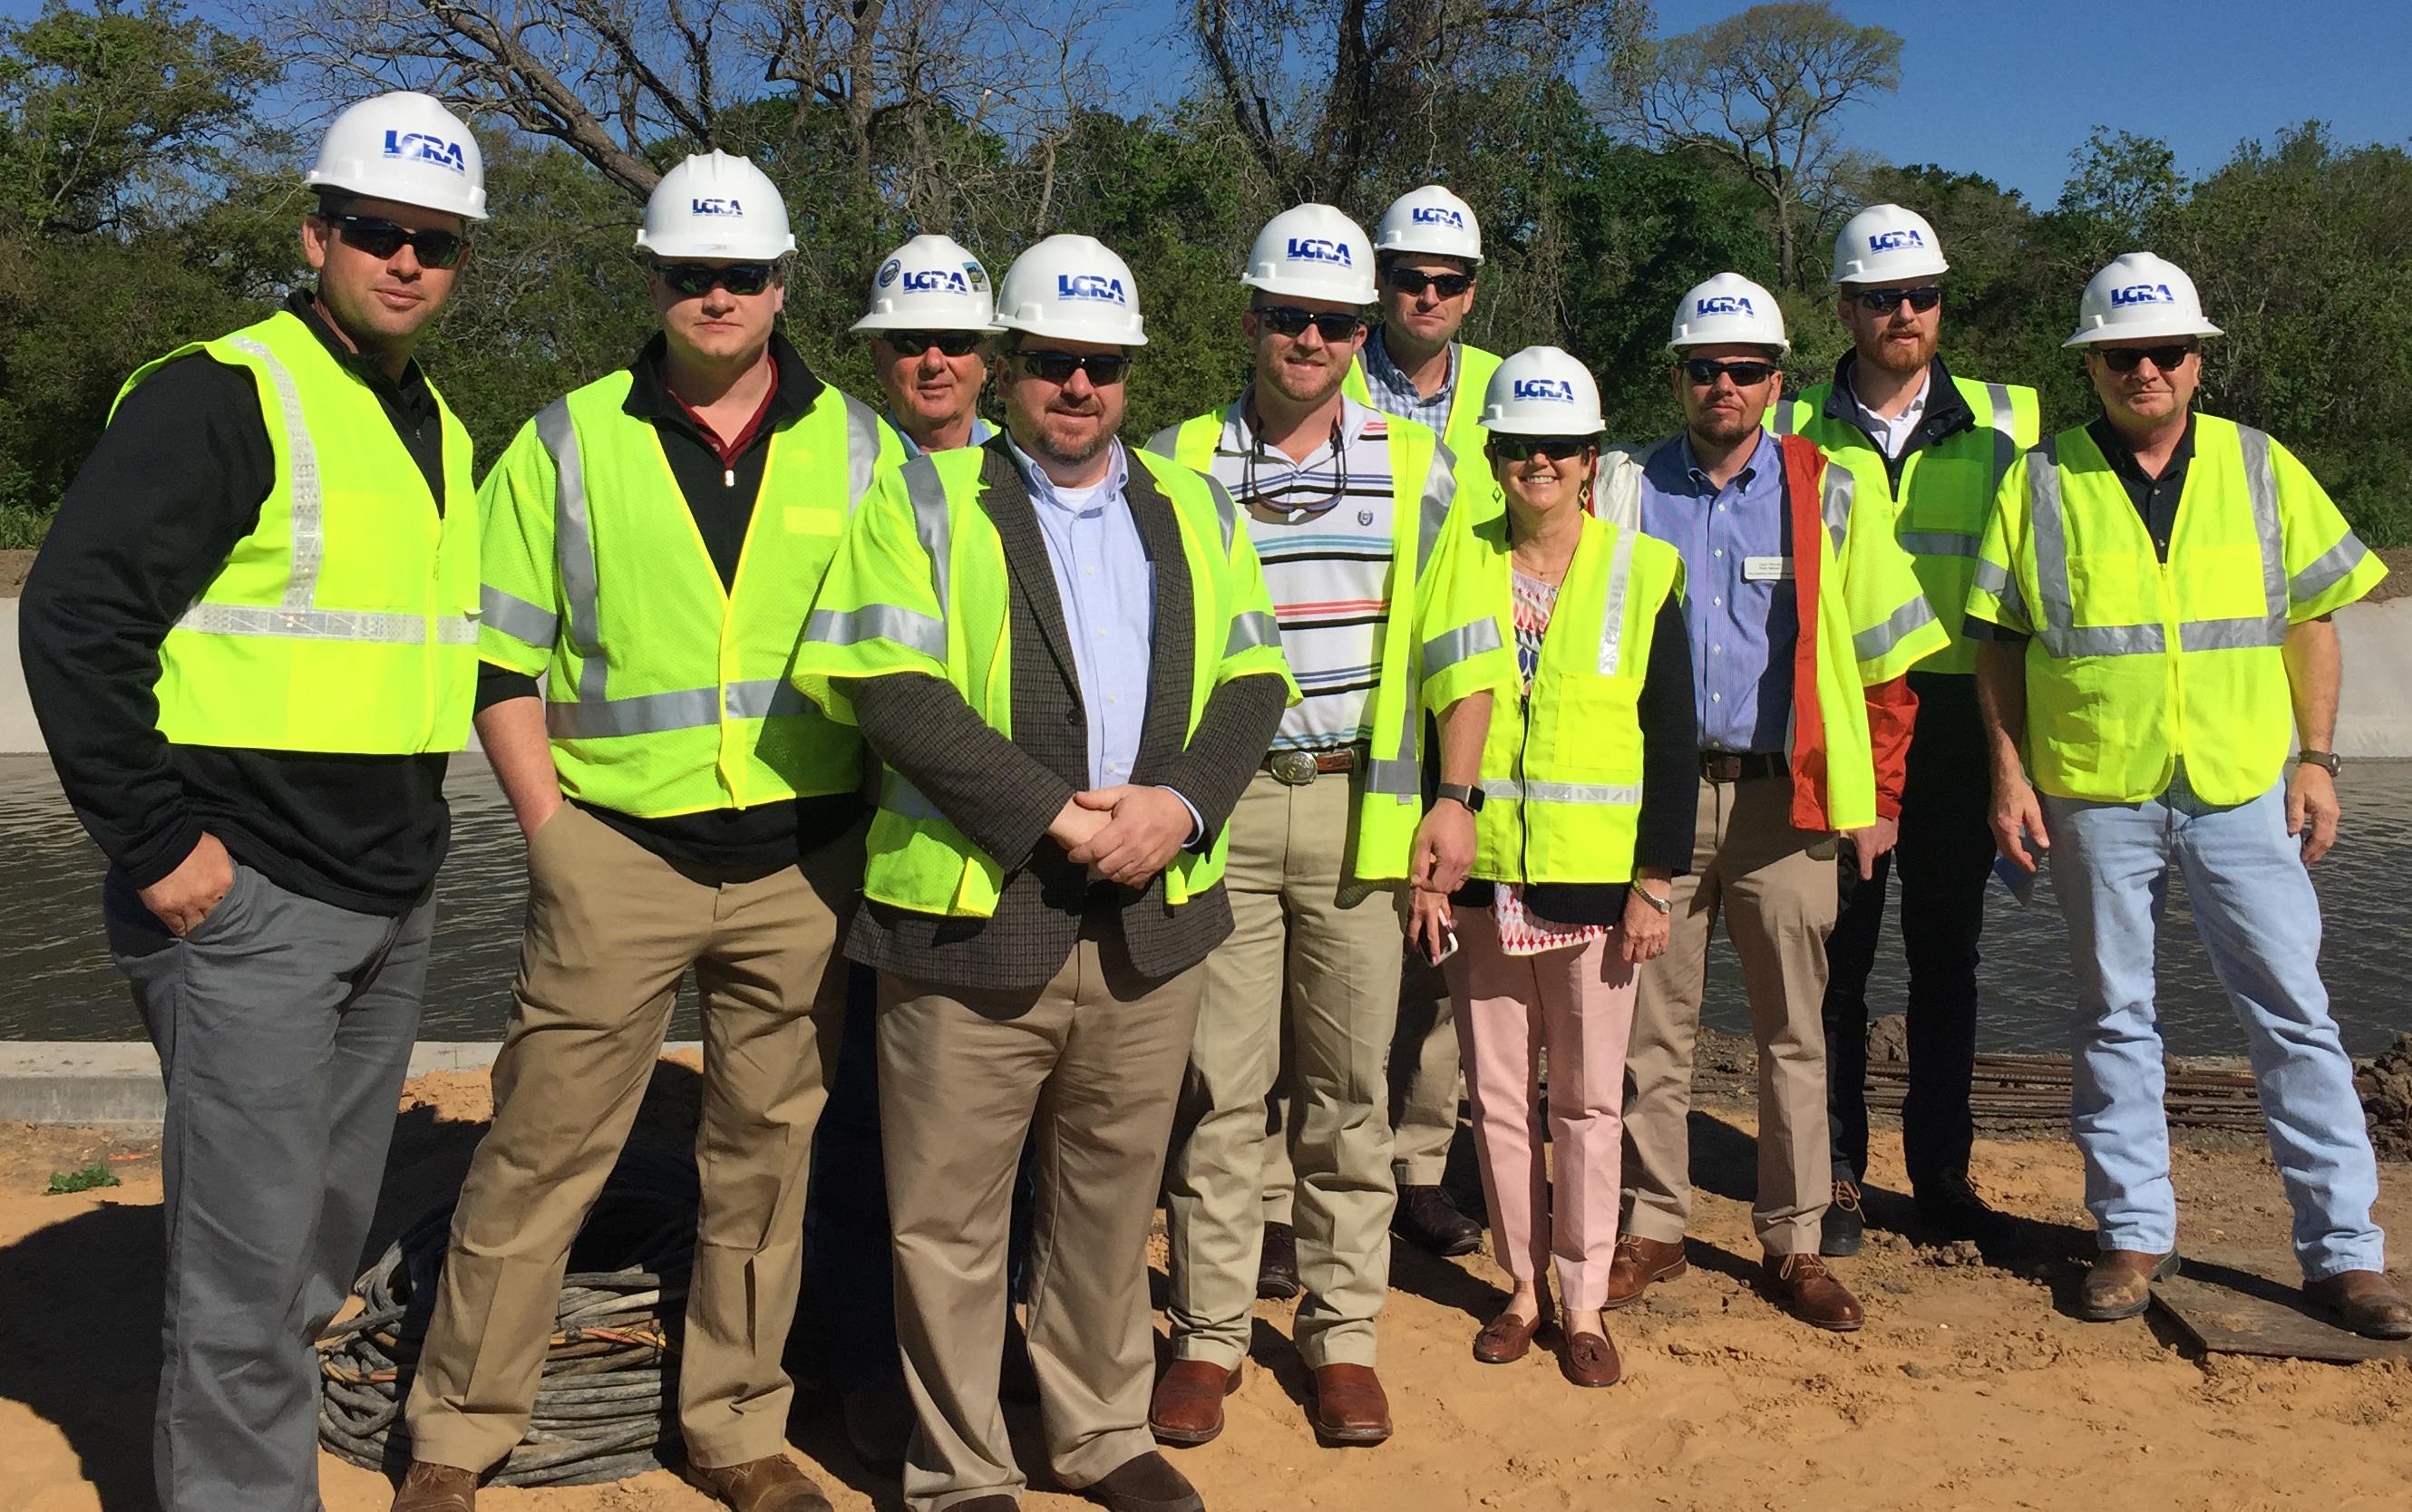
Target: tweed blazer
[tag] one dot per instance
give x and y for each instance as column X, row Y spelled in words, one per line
column 1003, row 794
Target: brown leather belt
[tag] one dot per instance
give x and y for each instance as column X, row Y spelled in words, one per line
column 1300, row 768
column 1729, row 767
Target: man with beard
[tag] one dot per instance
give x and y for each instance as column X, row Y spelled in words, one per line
column 1805, row 616
column 1382, row 616
column 1063, row 653
column 650, row 542
column 1941, row 444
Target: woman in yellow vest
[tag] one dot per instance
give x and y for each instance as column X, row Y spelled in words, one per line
column 1585, row 812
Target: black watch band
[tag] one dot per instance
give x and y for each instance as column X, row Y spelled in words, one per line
column 1469, row 796
column 2326, row 761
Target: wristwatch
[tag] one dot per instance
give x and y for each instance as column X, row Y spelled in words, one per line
column 1665, row 905
column 2326, row 760
column 1469, row 796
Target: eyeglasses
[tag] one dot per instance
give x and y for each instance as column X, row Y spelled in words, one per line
column 383, row 240
column 1886, row 301
column 1103, row 368
column 1704, row 372
column 914, row 343
column 1334, row 326
column 1408, row 280
column 2168, row 358
column 1525, row 448
column 697, row 278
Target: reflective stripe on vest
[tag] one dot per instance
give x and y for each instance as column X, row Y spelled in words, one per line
column 2058, row 629
column 1402, row 776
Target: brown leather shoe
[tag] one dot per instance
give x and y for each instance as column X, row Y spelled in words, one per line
column 1187, row 1407
column 1590, row 1359
column 2120, row 1285
column 1349, row 1405
column 1277, row 1264
column 1426, row 1218
column 772, row 1484
column 430, row 1487
column 1145, row 1483
column 1637, row 1263
column 1802, row 1286
column 2363, row 1301
column 1505, row 1339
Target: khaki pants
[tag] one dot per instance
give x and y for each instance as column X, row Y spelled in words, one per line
column 1426, row 1081
column 1088, row 1067
column 610, row 930
column 1775, row 886
column 1312, row 966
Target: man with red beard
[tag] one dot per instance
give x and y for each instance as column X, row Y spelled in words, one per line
column 1381, row 617
column 1941, row 444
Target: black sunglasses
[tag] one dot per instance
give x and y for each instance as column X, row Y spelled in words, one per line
column 1334, row 326
column 1886, row 301
column 1704, row 372
column 1525, row 448
column 2168, row 358
column 1103, row 368
column 1408, row 280
column 953, row 343
column 696, row 278
column 383, row 239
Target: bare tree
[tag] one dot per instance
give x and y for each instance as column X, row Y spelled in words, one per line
column 1324, row 92
column 1761, row 90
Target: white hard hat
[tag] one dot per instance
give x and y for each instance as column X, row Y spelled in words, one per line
column 931, row 283
column 1429, row 220
column 2140, row 295
column 714, row 205
column 1883, row 242
column 1542, row 391
column 404, row 147
column 1073, row 288
column 1312, row 252
column 1728, row 308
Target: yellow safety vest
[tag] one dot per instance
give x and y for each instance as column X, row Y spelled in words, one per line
column 2132, row 663
column 1447, row 646
column 1946, row 490
column 1464, row 434
column 920, row 585
column 346, row 621
column 1562, row 765
column 666, row 691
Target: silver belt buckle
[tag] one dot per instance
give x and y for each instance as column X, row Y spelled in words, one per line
column 1294, row 767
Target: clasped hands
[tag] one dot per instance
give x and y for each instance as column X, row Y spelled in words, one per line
column 1126, row 833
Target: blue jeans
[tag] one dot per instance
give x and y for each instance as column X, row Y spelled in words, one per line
column 2259, row 923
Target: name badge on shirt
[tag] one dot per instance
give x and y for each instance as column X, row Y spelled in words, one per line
column 1767, row 569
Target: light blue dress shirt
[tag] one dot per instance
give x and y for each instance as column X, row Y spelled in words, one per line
column 1739, row 594
column 1107, row 586
column 981, row 431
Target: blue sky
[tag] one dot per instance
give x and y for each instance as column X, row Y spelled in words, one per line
column 2008, row 90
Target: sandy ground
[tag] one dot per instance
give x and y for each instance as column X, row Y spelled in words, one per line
column 14, row 565
column 1970, row 1387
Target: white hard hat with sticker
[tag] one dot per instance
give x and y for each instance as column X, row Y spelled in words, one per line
column 1542, row 391
column 717, row 206
column 931, row 283
column 1728, row 309
column 2139, row 296
column 404, row 147
column 1071, row 288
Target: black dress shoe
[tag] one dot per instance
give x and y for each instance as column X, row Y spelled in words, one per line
column 1427, row 1219
column 1145, row 1483
column 1277, row 1264
column 1839, row 1231
column 1951, row 1207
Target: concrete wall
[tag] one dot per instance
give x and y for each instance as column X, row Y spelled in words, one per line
column 2375, row 723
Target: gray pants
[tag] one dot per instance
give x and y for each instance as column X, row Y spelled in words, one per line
column 284, row 1027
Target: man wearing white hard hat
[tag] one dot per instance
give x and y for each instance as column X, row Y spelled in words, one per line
column 932, row 315
column 1355, row 515
column 1063, row 651
column 249, row 641
column 1940, row 444
column 1805, row 616
column 650, row 543
column 2153, row 598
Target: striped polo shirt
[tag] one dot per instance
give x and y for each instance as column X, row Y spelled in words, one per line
column 1322, row 528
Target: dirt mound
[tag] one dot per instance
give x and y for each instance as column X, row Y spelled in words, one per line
column 2386, row 1097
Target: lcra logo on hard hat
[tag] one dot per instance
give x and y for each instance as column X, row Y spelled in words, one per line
column 1319, row 249
column 421, row 147
column 1555, row 391
column 714, row 207
column 1090, row 286
column 1436, row 215
column 1895, row 241
column 1727, row 305
column 936, row 281
column 2143, row 294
